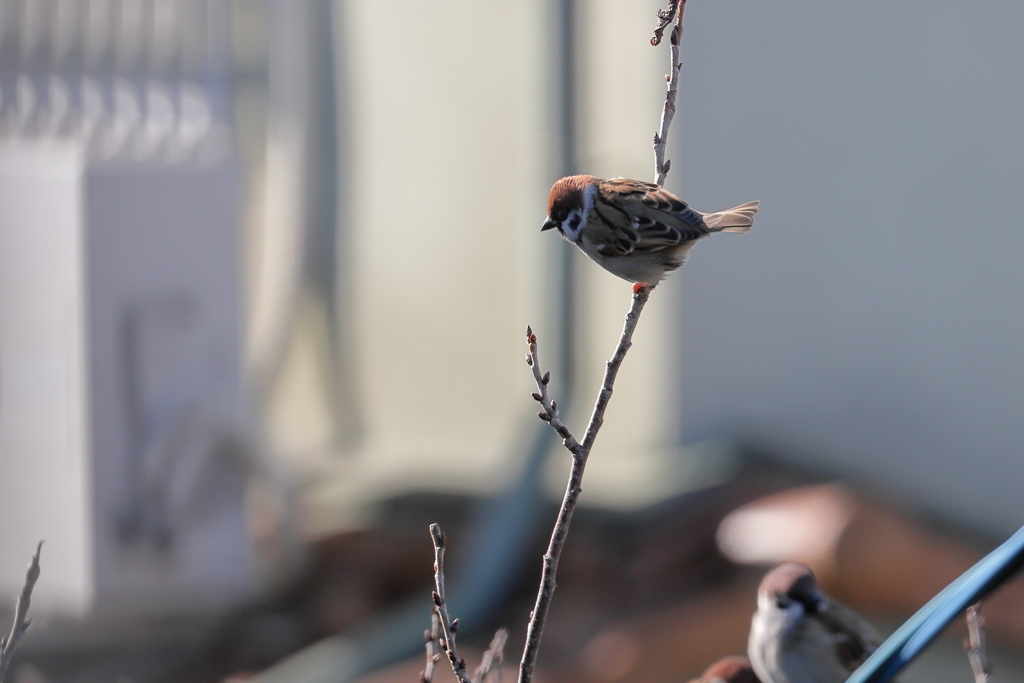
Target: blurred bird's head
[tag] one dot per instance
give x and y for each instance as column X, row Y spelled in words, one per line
column 791, row 590
column 729, row 670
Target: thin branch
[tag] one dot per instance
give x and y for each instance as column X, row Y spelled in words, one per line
column 661, row 164
column 448, row 626
column 431, row 636
column 21, row 621
column 580, row 453
column 549, row 412
column 974, row 643
column 492, row 659
column 665, row 17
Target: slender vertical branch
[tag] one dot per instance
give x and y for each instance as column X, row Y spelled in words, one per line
column 668, row 111
column 580, row 452
column 448, row 627
column 974, row 643
column 21, row 621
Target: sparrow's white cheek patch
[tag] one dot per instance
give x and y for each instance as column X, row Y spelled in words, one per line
column 573, row 225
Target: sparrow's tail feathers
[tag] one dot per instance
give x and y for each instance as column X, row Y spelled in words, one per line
column 737, row 219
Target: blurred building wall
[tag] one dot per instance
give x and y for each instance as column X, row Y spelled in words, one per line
column 450, row 113
column 871, row 318
column 124, row 437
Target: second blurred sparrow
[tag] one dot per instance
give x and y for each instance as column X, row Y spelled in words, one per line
column 800, row 635
column 728, row 670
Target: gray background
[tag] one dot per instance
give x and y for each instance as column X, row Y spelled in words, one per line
column 871, row 317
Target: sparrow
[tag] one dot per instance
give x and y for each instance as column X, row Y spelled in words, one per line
column 800, row 635
column 728, row 670
column 633, row 229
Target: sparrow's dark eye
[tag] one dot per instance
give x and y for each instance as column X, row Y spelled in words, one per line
column 782, row 601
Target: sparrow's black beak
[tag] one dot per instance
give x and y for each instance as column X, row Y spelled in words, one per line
column 548, row 224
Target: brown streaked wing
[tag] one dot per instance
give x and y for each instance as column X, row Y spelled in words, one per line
column 650, row 201
column 656, row 235
column 647, row 217
column 648, row 230
column 613, row 227
column 856, row 639
column 666, row 202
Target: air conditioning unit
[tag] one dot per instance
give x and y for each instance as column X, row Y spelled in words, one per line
column 122, row 420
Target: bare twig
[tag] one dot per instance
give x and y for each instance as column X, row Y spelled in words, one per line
column 665, row 17
column 441, row 635
column 492, row 659
column 661, row 164
column 431, row 636
column 580, row 453
column 974, row 643
column 448, row 626
column 549, row 412
column 21, row 621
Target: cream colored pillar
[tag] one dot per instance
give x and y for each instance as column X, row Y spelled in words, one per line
column 448, row 180
column 450, row 107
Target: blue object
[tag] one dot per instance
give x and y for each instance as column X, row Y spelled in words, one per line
column 919, row 631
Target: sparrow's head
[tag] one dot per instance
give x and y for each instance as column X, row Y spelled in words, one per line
column 569, row 202
column 791, row 588
column 729, row 670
